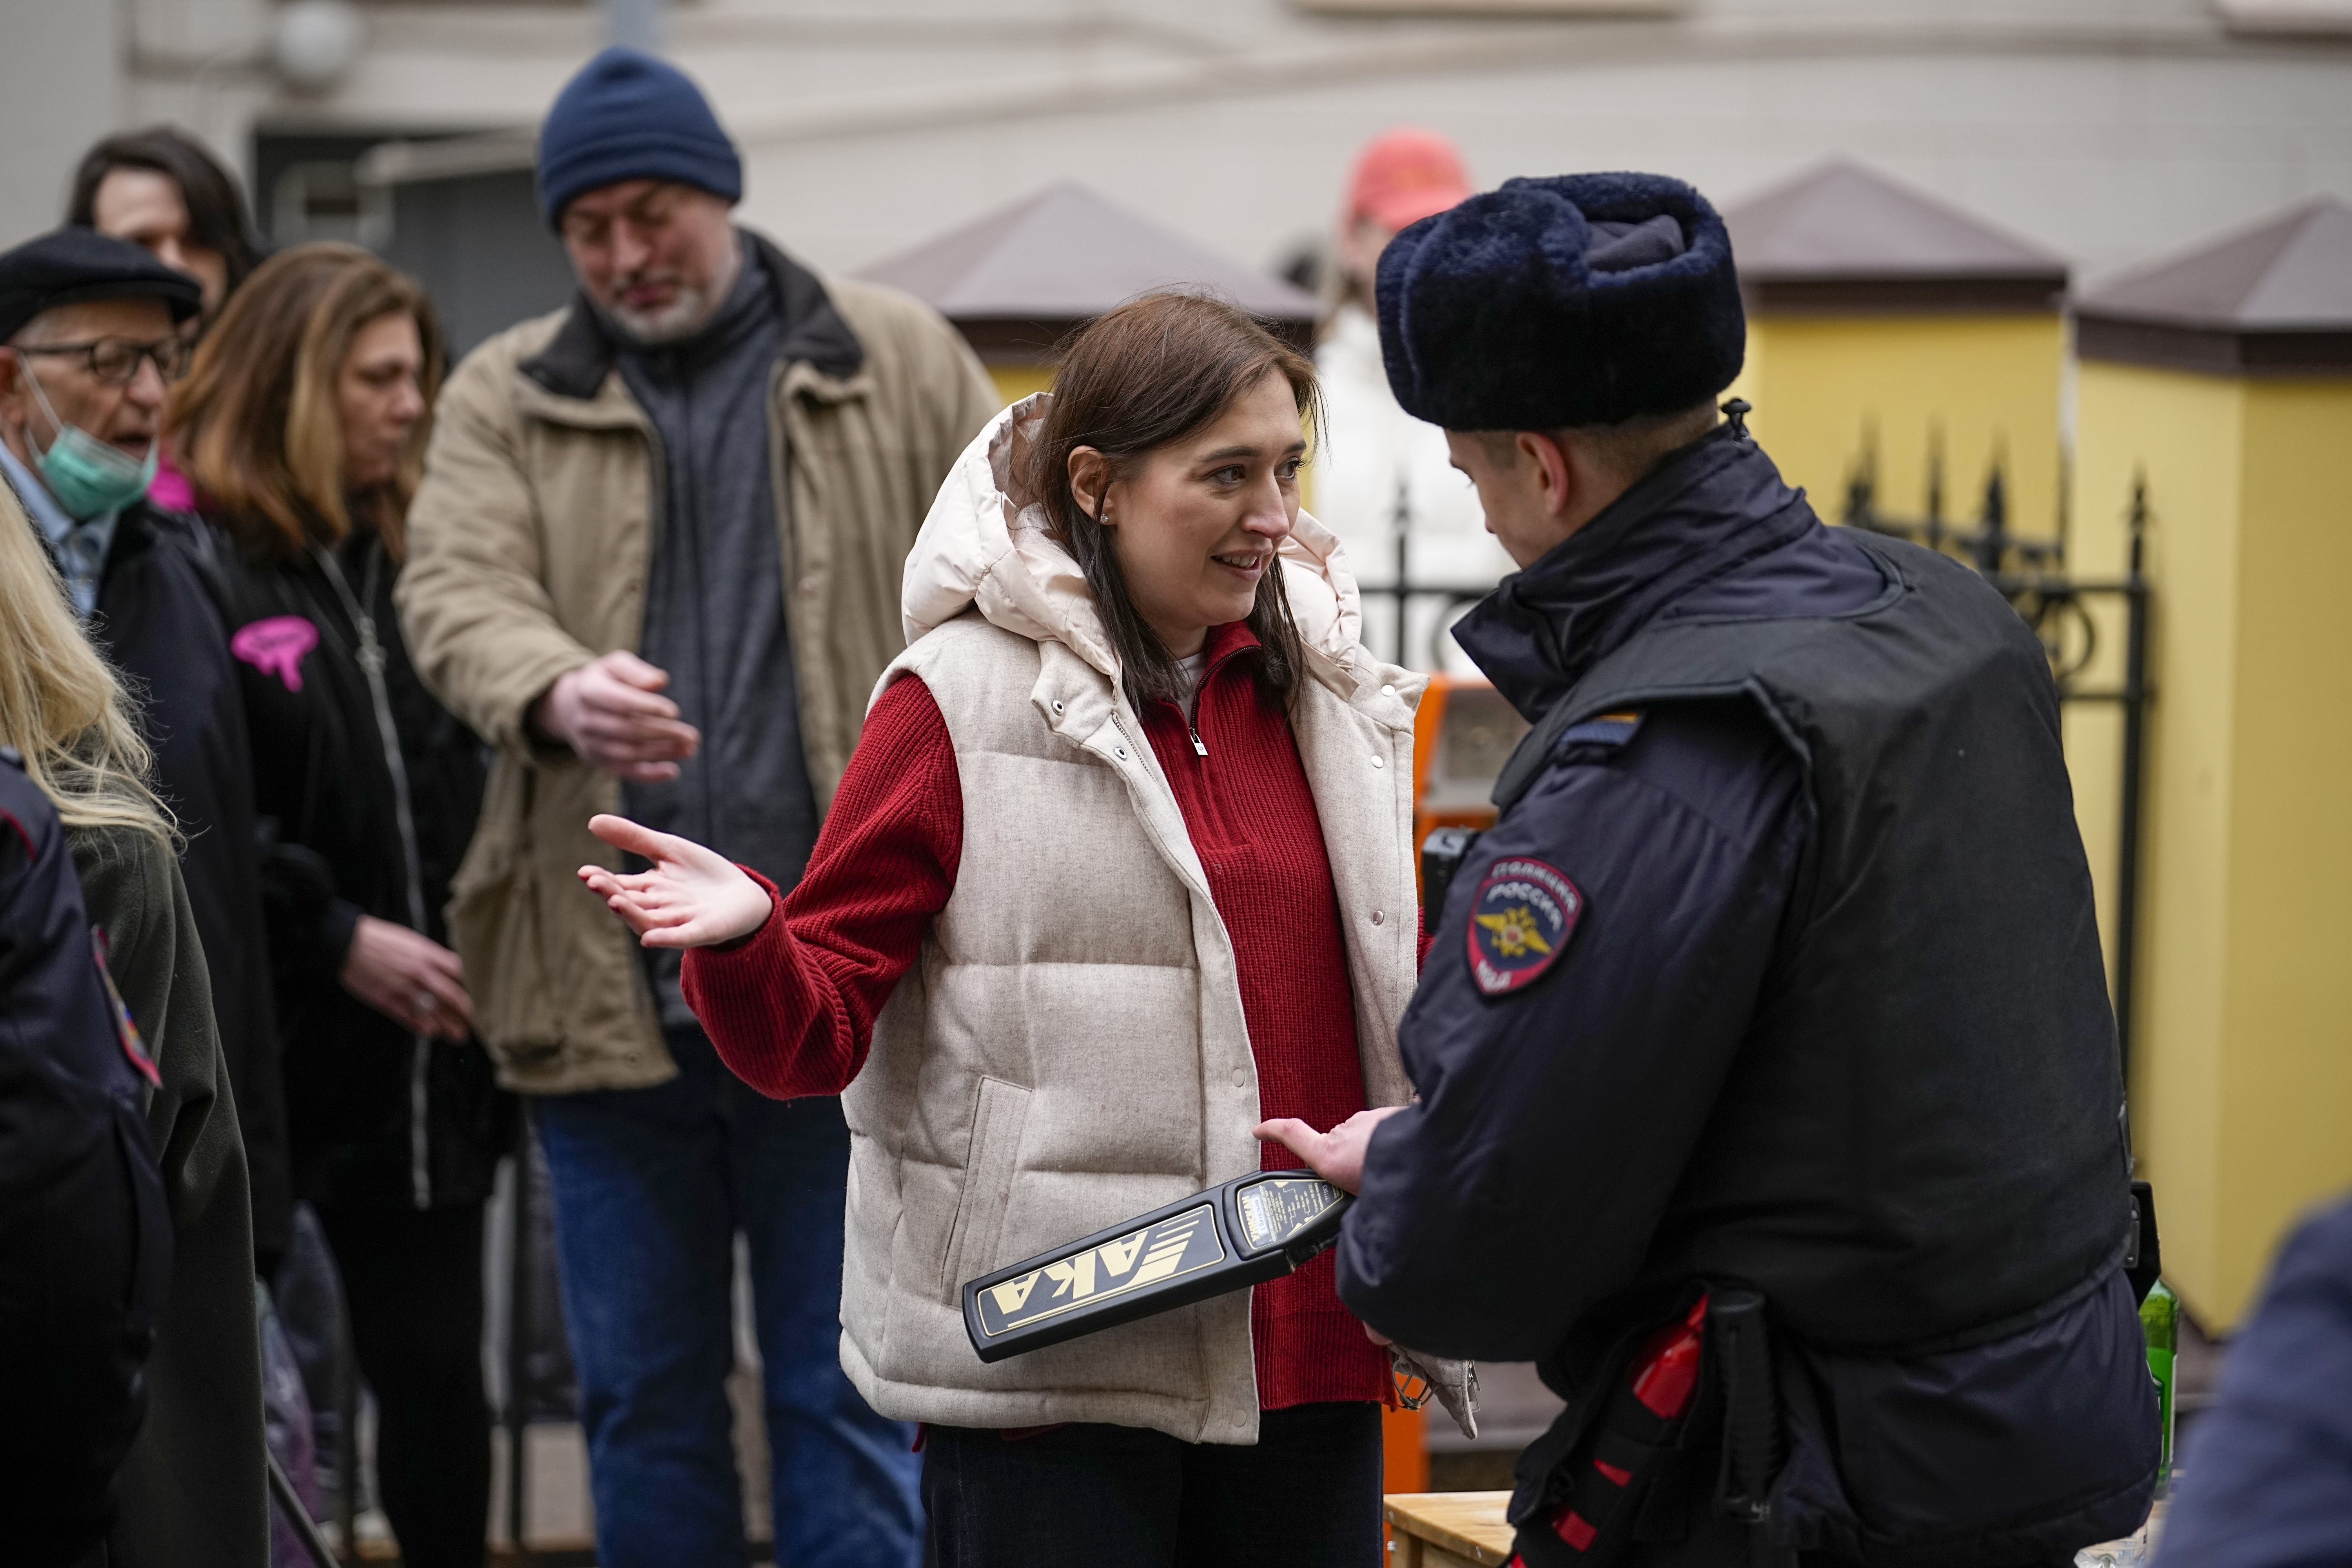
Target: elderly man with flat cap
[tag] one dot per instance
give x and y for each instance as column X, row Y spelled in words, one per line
column 90, row 343
column 1768, row 1080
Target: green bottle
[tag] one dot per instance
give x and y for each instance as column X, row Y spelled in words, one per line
column 2159, row 1320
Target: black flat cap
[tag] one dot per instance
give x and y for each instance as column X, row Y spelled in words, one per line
column 1582, row 299
column 68, row 266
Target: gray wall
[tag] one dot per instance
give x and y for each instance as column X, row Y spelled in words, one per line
column 478, row 247
column 60, row 90
column 2112, row 131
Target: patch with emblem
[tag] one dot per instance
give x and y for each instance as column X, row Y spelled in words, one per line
column 1519, row 925
column 126, row 1029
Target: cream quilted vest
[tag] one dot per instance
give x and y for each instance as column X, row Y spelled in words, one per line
column 1070, row 1049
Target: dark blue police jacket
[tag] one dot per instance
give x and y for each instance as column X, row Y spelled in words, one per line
column 2267, row 1481
column 1780, row 967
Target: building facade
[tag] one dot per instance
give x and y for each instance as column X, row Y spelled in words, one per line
column 2102, row 130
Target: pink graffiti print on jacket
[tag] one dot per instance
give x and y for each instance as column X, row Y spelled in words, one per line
column 276, row 646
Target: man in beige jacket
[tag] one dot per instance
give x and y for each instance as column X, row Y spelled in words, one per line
column 655, row 561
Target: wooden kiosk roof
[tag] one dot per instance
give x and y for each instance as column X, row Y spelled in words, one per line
column 1845, row 238
column 1015, row 282
column 2273, row 300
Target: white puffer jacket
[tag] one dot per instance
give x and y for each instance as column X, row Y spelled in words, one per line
column 1070, row 1048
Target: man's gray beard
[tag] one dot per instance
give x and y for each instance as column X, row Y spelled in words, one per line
column 682, row 317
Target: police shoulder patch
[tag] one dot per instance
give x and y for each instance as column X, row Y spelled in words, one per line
column 1605, row 729
column 1519, row 925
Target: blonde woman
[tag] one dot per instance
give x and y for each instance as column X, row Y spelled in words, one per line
column 191, row 1490
column 302, row 423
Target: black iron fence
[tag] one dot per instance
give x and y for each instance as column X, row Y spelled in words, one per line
column 1401, row 590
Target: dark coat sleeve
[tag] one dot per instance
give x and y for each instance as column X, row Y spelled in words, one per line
column 1554, row 1120
column 310, row 925
column 2272, row 1460
column 193, row 1489
column 85, row 1248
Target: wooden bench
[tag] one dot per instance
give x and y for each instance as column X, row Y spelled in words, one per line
column 1465, row 1529
column 1448, row 1530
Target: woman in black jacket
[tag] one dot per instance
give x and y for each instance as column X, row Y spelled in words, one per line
column 302, row 424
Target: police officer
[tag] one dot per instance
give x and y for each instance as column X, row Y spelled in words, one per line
column 1778, row 971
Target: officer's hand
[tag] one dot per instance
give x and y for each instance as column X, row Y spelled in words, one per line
column 1337, row 1156
column 693, row 897
column 612, row 713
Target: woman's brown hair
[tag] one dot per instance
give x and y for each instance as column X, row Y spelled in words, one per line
column 257, row 423
column 1135, row 379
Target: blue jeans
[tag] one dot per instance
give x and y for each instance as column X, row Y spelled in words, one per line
column 650, row 1187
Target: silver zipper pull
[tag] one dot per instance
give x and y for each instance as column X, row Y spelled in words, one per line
column 1196, row 743
column 371, row 654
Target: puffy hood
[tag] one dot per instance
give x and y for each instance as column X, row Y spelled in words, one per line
column 987, row 542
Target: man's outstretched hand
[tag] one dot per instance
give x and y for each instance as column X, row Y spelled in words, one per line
column 693, row 897
column 612, row 712
column 1337, row 1156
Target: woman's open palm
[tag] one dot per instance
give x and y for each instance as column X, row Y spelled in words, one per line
column 693, row 897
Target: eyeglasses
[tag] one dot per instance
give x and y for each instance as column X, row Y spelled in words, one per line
column 114, row 362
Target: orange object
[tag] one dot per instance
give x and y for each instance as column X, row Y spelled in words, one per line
column 1404, row 1455
column 1463, row 735
column 1405, row 175
column 1404, row 1452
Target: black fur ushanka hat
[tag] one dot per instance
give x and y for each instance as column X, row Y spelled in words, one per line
column 1577, row 299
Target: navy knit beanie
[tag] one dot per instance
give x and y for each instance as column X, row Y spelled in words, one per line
column 628, row 115
column 1580, row 300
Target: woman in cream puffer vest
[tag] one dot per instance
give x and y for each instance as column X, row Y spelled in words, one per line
column 1120, row 871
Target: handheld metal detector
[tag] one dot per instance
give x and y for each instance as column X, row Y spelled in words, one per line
column 1253, row 1228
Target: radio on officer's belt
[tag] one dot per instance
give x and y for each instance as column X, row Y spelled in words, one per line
column 1253, row 1228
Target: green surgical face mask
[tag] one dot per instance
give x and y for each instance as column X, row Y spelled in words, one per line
column 84, row 475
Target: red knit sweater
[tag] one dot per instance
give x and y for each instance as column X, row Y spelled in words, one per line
column 792, row 1010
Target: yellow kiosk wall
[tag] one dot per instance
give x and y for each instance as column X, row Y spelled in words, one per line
column 2241, row 1076
column 1991, row 381
column 1015, row 382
